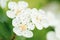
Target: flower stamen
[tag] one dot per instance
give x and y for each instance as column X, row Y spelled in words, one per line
column 23, row 27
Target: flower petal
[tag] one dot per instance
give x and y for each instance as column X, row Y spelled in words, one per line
column 17, row 31
column 16, row 22
column 39, row 26
column 22, row 4
column 45, row 23
column 41, row 11
column 12, row 5
column 10, row 14
column 31, row 26
column 27, row 34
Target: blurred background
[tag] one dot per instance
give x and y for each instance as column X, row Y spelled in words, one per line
column 6, row 32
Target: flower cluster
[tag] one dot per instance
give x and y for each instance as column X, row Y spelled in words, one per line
column 25, row 19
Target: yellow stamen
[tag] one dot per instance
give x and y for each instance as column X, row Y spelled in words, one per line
column 18, row 12
column 38, row 19
column 23, row 27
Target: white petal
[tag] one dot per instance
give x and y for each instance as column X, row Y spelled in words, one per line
column 27, row 11
column 12, row 5
column 27, row 34
column 22, row 4
column 51, row 36
column 33, row 20
column 16, row 22
column 10, row 14
column 34, row 11
column 34, row 15
column 31, row 26
column 41, row 11
column 45, row 23
column 39, row 26
column 25, row 16
column 17, row 31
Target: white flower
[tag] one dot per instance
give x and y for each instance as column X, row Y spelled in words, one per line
column 16, row 8
column 22, row 31
column 3, row 3
column 24, row 17
column 23, row 25
column 51, row 18
column 11, row 14
column 16, row 23
column 39, row 19
column 44, row 20
column 51, row 36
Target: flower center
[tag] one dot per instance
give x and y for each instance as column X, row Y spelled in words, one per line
column 38, row 18
column 18, row 11
column 23, row 27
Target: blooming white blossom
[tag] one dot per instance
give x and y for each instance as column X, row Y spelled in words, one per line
column 24, row 17
column 3, row 3
column 23, row 25
column 22, row 31
column 16, row 8
column 39, row 18
column 51, row 36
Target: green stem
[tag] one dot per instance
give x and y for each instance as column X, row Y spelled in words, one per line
column 13, row 38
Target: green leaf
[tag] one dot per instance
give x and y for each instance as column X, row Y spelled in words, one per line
column 5, row 32
column 3, row 16
column 40, row 34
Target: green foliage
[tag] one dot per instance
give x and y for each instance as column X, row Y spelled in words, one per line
column 40, row 34
column 5, row 26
